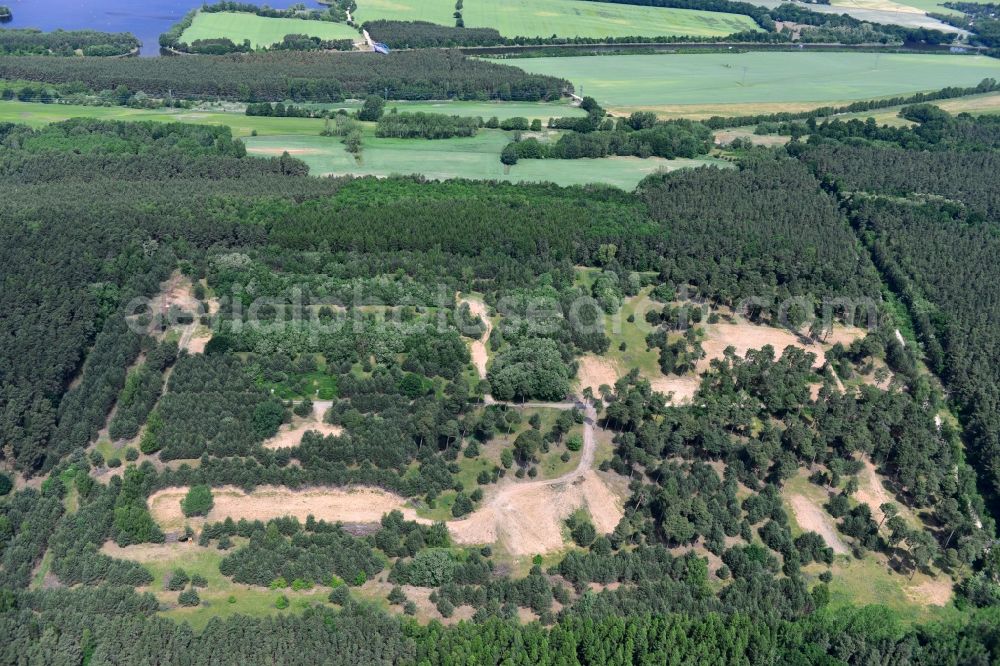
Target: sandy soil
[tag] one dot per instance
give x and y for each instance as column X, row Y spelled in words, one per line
column 812, row 518
column 150, row 552
column 178, row 291
column 595, row 370
column 871, row 491
column 682, row 388
column 478, row 347
column 935, row 592
column 744, row 336
column 355, row 505
column 291, row 435
column 527, row 519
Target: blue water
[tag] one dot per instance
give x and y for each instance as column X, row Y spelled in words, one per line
column 146, row 19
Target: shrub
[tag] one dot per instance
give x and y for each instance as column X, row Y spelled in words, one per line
column 198, row 501
column 281, row 603
column 340, row 595
column 189, row 597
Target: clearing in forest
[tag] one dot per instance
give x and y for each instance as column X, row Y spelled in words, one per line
column 475, row 157
column 477, row 348
column 811, row 517
column 350, row 505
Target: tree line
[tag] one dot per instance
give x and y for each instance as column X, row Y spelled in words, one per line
column 28, row 41
column 299, row 76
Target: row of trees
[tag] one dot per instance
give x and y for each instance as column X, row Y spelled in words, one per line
column 295, row 75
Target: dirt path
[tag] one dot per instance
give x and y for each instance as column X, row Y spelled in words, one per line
column 478, row 348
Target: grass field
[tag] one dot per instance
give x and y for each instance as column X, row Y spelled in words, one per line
column 565, row 18
column 475, row 157
column 485, row 110
column 260, row 30
column 37, row 114
column 701, row 84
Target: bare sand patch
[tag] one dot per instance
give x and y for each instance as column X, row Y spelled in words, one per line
column 744, row 336
column 871, row 491
column 595, row 371
column 290, row 435
column 812, row 518
column 683, row 388
column 480, row 357
column 151, row 552
column 932, row 592
column 352, row 505
column 528, row 519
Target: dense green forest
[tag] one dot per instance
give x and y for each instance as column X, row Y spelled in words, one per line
column 343, row 291
column 66, row 43
column 300, row 76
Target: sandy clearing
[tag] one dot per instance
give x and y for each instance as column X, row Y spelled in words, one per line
column 528, row 519
column 682, row 388
column 291, row 435
column 595, row 371
column 480, row 357
column 871, row 491
column 744, row 336
column 354, row 505
column 150, row 552
column 936, row 592
column 813, row 518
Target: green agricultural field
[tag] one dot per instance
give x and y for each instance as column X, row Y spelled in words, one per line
column 565, row 18
column 702, row 84
column 260, row 30
column 475, row 157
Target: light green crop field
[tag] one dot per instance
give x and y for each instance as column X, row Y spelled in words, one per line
column 702, row 84
column 565, row 18
column 260, row 30
column 475, row 157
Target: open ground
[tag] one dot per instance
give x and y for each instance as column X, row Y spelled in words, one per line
column 262, row 31
column 699, row 85
column 565, row 18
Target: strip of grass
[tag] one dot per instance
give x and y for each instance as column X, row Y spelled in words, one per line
column 262, row 31
column 565, row 18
